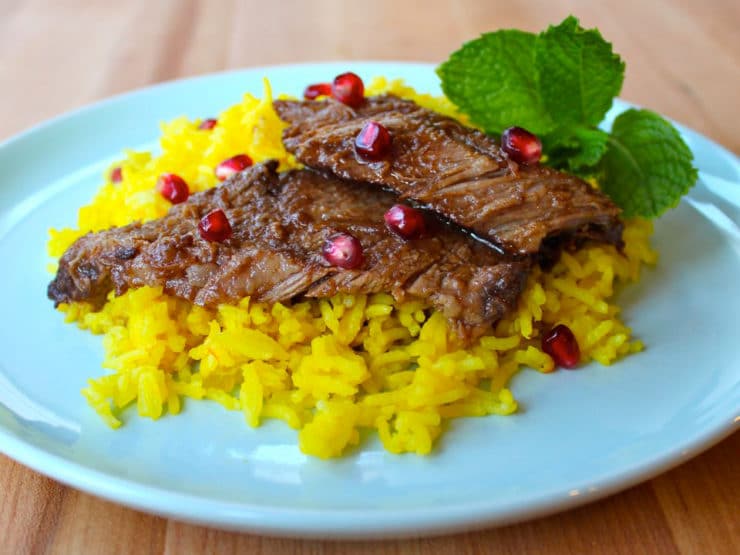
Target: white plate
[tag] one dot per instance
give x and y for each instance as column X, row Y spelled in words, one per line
column 580, row 435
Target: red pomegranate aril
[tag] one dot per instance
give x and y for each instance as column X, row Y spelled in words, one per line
column 207, row 124
column 116, row 175
column 173, row 187
column 233, row 165
column 215, row 226
column 373, row 141
column 343, row 250
column 522, row 146
column 562, row 346
column 348, row 89
column 312, row 92
column 405, row 221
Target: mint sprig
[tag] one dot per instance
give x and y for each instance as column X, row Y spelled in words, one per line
column 559, row 84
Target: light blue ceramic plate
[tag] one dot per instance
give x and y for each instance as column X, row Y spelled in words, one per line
column 579, row 436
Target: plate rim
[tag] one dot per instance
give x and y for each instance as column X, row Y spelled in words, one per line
column 322, row 523
column 312, row 523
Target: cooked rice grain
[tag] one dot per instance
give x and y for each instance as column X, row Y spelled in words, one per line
column 327, row 367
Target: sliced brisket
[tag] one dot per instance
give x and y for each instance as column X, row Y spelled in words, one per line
column 456, row 171
column 280, row 222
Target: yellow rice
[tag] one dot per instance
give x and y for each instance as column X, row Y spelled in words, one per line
column 328, row 367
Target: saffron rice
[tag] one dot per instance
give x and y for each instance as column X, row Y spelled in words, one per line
column 326, row 367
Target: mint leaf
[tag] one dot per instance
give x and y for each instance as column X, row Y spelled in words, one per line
column 565, row 77
column 492, row 80
column 592, row 146
column 576, row 150
column 579, row 75
column 647, row 167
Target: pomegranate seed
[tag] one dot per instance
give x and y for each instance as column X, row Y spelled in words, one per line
column 348, row 89
column 405, row 221
column 562, row 346
column 207, row 124
column 343, row 250
column 233, row 165
column 173, row 187
column 522, row 146
column 312, row 92
column 373, row 141
column 116, row 175
column 215, row 226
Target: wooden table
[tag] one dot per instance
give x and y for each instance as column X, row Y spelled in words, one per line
column 683, row 60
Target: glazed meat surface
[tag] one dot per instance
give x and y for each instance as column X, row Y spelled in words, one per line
column 280, row 222
column 456, row 171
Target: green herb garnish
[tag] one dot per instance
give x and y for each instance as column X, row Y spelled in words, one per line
column 647, row 167
column 559, row 84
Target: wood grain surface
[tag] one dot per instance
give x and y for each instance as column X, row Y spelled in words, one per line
column 683, row 60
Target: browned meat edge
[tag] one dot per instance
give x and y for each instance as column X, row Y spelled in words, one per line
column 456, row 171
column 279, row 223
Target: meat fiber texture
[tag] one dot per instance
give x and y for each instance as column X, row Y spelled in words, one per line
column 280, row 222
column 459, row 172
